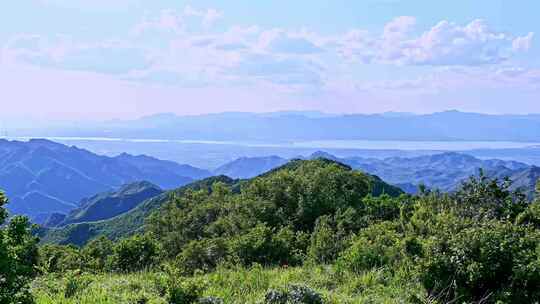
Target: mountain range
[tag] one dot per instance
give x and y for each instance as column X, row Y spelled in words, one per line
column 58, row 185
column 444, row 171
column 44, row 177
column 302, row 126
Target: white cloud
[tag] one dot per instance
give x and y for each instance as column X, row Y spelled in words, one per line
column 399, row 27
column 175, row 21
column 208, row 16
column 189, row 53
column 168, row 21
column 61, row 52
column 445, row 44
column 281, row 41
column 523, row 43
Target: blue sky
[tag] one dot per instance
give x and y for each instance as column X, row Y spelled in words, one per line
column 100, row 59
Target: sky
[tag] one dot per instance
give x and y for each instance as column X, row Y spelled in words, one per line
column 103, row 59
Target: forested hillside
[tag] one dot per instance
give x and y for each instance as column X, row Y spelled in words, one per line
column 110, row 204
column 307, row 232
column 442, row 171
column 133, row 220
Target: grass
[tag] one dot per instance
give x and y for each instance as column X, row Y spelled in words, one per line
column 232, row 285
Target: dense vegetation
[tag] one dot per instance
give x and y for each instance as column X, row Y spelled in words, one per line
column 308, row 232
column 18, row 257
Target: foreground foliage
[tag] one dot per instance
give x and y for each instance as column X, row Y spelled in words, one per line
column 312, row 232
column 18, row 256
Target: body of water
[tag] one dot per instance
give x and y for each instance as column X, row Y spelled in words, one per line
column 212, row 154
column 322, row 144
column 414, row 145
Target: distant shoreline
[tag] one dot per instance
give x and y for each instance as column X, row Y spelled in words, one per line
column 444, row 145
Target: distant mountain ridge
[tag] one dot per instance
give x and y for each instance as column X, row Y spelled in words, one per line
column 46, row 180
column 444, row 171
column 44, row 177
column 298, row 126
column 248, row 167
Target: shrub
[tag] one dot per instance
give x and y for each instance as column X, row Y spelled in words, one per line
column 375, row 246
column 260, row 246
column 18, row 257
column 291, row 246
column 185, row 292
column 75, row 283
column 495, row 261
column 201, row 255
column 531, row 216
column 303, row 191
column 60, row 259
column 97, row 254
column 135, row 253
column 325, row 242
column 484, row 197
column 380, row 208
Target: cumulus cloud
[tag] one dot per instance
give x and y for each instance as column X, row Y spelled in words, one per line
column 175, row 21
column 445, row 44
column 523, row 43
column 399, row 27
column 167, row 21
column 208, row 16
column 279, row 41
column 180, row 48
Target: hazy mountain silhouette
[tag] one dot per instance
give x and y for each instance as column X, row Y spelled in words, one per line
column 42, row 177
column 279, row 126
column 247, row 167
column 444, row 171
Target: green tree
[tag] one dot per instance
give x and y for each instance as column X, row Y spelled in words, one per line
column 537, row 191
column 97, row 254
column 60, row 258
column 376, row 246
column 135, row 253
column 495, row 262
column 18, row 257
column 303, row 191
column 260, row 245
column 202, row 255
column 325, row 242
column 484, row 197
column 189, row 217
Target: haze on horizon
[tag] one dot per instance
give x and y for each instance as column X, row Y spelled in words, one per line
column 101, row 60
